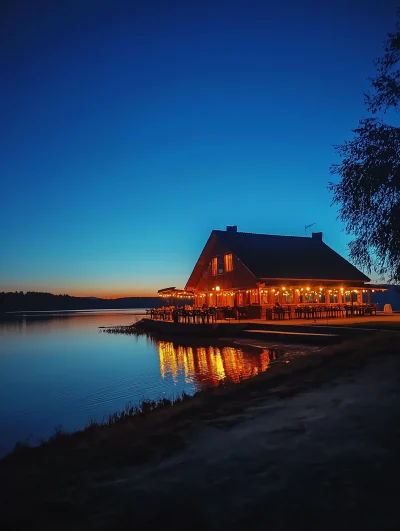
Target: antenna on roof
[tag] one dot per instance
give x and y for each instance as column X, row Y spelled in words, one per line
column 307, row 227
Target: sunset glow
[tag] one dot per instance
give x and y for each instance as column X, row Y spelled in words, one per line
column 124, row 144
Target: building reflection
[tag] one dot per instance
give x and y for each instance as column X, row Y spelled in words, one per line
column 211, row 365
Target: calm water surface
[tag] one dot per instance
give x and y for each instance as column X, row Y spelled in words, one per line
column 61, row 369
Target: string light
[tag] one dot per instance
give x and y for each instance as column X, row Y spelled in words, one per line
column 315, row 295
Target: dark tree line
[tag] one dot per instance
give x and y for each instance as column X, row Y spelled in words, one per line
column 38, row 301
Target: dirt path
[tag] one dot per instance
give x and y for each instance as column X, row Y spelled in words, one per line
column 324, row 459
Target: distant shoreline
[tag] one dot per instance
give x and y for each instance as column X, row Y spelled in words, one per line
column 48, row 302
column 23, row 312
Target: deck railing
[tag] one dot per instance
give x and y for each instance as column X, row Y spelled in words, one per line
column 211, row 315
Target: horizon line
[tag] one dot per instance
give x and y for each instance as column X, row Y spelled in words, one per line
column 106, row 296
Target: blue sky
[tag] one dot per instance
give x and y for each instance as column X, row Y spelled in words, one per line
column 130, row 130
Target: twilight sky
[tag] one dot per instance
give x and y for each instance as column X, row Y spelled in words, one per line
column 129, row 130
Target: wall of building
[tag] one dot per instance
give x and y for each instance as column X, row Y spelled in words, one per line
column 239, row 277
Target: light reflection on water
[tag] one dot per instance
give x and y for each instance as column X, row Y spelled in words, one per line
column 60, row 369
column 211, row 365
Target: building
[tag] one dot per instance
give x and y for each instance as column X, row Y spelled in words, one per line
column 259, row 270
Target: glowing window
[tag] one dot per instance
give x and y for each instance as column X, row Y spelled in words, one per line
column 287, row 295
column 214, row 266
column 264, row 297
column 217, row 265
column 228, row 262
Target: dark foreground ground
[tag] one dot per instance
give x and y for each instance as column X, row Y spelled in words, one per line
column 314, row 444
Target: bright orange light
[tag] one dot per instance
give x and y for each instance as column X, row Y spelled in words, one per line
column 211, row 364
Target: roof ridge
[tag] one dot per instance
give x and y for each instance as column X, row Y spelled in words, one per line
column 263, row 234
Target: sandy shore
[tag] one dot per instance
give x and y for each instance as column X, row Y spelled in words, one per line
column 313, row 444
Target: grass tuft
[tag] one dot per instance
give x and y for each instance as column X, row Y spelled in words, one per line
column 128, row 414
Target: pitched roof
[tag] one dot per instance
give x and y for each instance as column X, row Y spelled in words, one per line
column 291, row 257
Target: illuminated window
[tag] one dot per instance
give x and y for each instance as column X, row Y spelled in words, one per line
column 287, row 295
column 217, row 265
column 333, row 296
column 228, row 262
column 347, row 296
column 311, row 296
column 254, row 297
column 264, row 297
column 214, row 266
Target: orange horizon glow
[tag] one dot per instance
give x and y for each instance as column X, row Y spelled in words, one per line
column 111, row 294
column 101, row 294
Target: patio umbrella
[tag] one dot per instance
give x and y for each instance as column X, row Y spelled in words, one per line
column 174, row 294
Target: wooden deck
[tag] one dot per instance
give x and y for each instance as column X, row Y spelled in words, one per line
column 294, row 330
column 379, row 319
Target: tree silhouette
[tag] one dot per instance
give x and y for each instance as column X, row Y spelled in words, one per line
column 369, row 188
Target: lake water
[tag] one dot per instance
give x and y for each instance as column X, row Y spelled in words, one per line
column 60, row 369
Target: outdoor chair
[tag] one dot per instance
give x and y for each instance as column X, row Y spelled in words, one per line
column 298, row 312
column 307, row 312
column 288, row 312
column 242, row 313
column 268, row 314
column 278, row 313
column 228, row 313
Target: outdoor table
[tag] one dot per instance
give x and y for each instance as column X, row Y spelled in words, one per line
column 370, row 309
column 332, row 311
column 209, row 315
column 278, row 313
column 298, row 312
column 160, row 314
column 337, row 311
column 288, row 312
column 307, row 312
column 358, row 310
column 351, row 311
